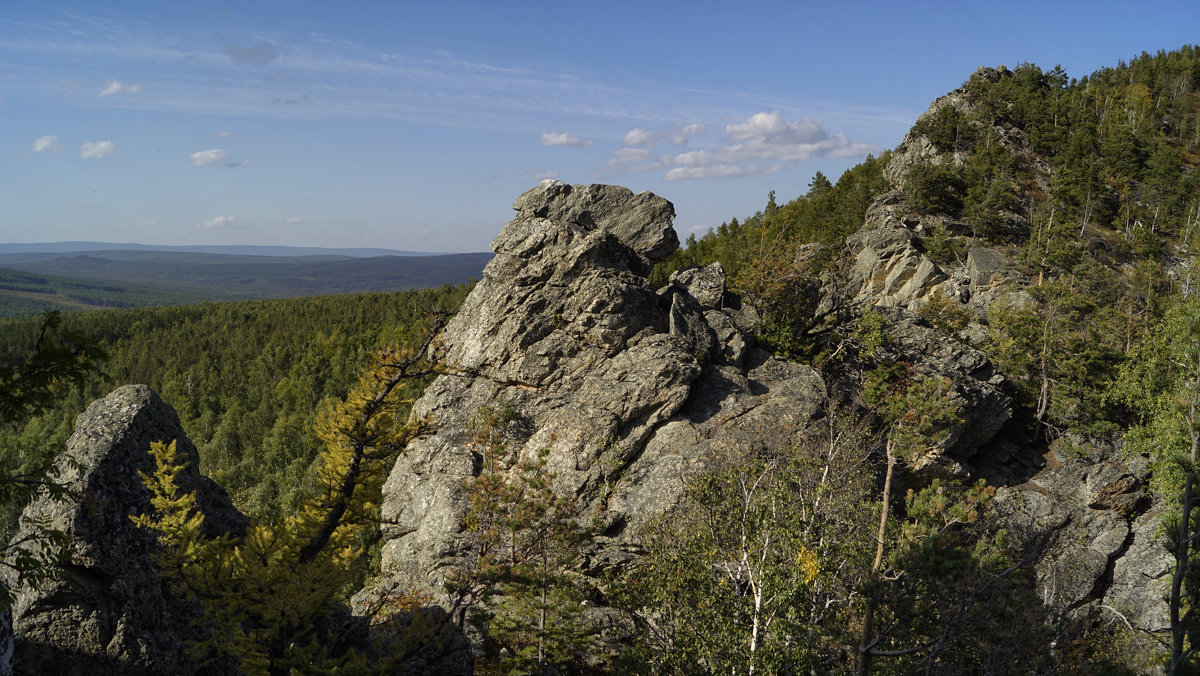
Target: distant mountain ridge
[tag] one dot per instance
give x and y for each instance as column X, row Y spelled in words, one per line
column 236, row 249
column 33, row 281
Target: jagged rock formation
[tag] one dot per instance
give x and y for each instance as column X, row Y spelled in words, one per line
column 1084, row 514
column 111, row 614
column 1087, row 517
column 630, row 390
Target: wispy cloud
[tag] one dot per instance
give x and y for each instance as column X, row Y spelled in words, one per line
column 298, row 100
column 257, row 56
column 543, row 175
column 564, row 139
column 46, row 143
column 117, row 87
column 628, row 161
column 764, row 144
column 719, row 170
column 681, row 134
column 214, row 157
column 222, row 134
column 639, row 137
column 218, row 223
column 97, row 150
column 184, row 71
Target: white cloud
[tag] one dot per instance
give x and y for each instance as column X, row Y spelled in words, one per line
column 544, row 175
column 629, row 156
column 763, row 136
column 116, row 87
column 677, row 136
column 292, row 221
column 45, row 143
column 222, row 134
column 628, row 161
column 719, row 170
column 218, row 222
column 564, row 139
column 211, row 156
column 769, row 135
column 97, row 150
column 214, row 157
column 147, row 223
column 639, row 137
column 681, row 135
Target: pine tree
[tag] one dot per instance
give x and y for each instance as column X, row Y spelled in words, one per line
column 263, row 597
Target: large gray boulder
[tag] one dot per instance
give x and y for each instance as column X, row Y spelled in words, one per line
column 110, row 613
column 980, row 405
column 629, row 390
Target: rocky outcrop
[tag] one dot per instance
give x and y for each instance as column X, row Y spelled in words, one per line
column 111, row 614
column 979, row 403
column 889, row 268
column 629, row 390
column 1088, row 523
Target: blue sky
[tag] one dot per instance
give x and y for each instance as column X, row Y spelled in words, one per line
column 415, row 125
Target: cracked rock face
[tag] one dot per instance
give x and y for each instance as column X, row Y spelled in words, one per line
column 111, row 614
column 1090, row 521
column 629, row 389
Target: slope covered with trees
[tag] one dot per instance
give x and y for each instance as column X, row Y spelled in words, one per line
column 247, row 379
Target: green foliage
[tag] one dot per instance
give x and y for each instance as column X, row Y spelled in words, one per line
column 1161, row 384
column 1059, row 352
column 952, row 588
column 943, row 247
column 517, row 584
column 765, row 567
column 825, row 215
column 990, row 177
column 935, row 188
column 246, row 378
column 263, row 596
column 945, row 314
column 756, row 569
column 948, row 128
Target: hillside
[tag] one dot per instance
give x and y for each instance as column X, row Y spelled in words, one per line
column 940, row 416
column 34, row 281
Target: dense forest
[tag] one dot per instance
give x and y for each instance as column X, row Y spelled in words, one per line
column 1089, row 187
column 247, row 379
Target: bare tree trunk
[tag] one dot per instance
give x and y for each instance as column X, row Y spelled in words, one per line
column 862, row 659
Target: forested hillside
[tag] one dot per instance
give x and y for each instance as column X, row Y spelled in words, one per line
column 1087, row 188
column 1088, row 184
column 247, row 378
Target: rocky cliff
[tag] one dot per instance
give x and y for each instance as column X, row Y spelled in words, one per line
column 628, row 390
column 1079, row 506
